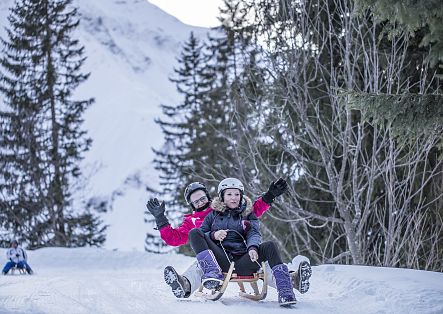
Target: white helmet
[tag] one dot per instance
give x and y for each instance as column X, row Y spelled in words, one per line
column 230, row 183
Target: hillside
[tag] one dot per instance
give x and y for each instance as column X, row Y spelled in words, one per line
column 131, row 46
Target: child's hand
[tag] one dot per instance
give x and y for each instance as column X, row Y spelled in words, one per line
column 253, row 255
column 220, row 235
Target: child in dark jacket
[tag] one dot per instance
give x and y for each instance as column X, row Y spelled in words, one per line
column 231, row 233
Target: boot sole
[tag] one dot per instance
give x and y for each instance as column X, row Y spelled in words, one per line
column 171, row 278
column 211, row 283
column 305, row 272
column 288, row 304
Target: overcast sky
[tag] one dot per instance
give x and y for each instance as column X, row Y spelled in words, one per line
column 193, row 12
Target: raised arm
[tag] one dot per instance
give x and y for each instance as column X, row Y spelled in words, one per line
column 173, row 237
column 276, row 189
column 176, row 236
column 260, row 207
column 157, row 210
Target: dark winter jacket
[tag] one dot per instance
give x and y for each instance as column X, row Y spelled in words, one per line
column 179, row 236
column 238, row 239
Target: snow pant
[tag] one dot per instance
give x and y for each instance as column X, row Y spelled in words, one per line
column 20, row 265
column 194, row 275
column 267, row 251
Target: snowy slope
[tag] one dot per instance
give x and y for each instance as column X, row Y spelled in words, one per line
column 101, row 281
column 132, row 48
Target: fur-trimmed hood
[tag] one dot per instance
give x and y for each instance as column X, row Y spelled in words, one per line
column 219, row 206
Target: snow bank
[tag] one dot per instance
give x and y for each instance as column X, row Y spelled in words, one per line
column 89, row 280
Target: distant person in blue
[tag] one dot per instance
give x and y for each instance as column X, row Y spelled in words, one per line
column 16, row 258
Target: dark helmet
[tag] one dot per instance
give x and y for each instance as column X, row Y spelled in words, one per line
column 14, row 242
column 191, row 188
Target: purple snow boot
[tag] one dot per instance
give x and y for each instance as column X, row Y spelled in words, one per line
column 212, row 275
column 286, row 296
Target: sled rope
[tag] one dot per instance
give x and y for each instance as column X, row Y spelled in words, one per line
column 244, row 241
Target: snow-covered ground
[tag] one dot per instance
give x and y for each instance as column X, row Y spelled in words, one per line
column 101, row 281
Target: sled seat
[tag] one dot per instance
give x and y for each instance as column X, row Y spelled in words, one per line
column 252, row 278
column 230, row 276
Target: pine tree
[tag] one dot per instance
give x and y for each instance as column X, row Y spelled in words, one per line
column 415, row 113
column 218, row 107
column 200, row 133
column 41, row 137
column 177, row 129
column 226, row 110
column 423, row 19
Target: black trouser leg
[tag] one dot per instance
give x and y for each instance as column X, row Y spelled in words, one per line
column 244, row 266
column 197, row 240
column 267, row 251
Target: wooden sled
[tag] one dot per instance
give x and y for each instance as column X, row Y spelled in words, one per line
column 230, row 276
column 21, row 271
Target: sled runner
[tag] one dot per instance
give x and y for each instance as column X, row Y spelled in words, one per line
column 230, row 276
column 21, row 271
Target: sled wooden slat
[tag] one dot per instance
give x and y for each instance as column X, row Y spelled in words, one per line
column 258, row 295
column 215, row 295
column 230, row 276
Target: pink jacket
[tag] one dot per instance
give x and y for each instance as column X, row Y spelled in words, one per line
column 179, row 236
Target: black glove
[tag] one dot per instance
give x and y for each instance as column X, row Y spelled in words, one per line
column 275, row 190
column 158, row 211
column 17, row 255
column 246, row 224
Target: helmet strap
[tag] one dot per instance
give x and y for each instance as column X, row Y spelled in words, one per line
column 201, row 208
